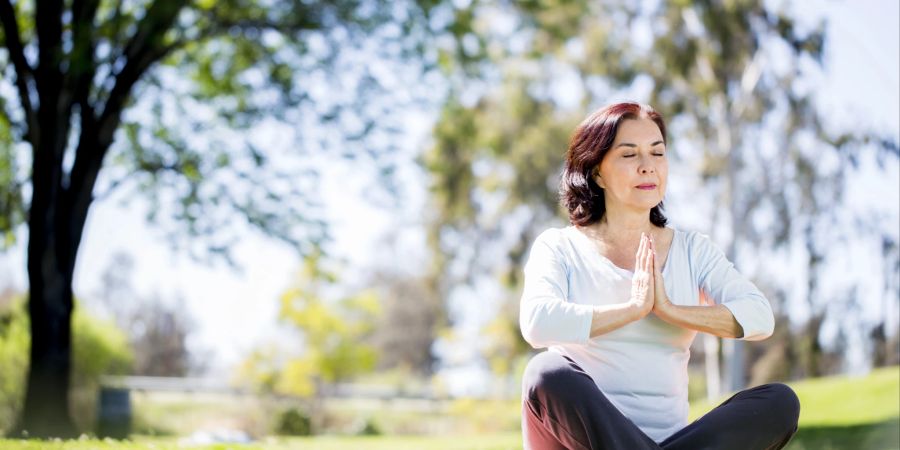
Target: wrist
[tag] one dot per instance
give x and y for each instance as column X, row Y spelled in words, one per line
column 636, row 311
column 664, row 308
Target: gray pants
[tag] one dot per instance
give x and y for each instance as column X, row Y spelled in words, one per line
column 562, row 409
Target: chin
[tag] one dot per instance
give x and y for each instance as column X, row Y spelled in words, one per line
column 647, row 204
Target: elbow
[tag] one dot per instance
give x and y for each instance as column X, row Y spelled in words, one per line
column 765, row 327
column 754, row 317
column 554, row 323
column 532, row 334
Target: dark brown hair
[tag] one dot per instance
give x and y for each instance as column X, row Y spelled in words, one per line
column 589, row 144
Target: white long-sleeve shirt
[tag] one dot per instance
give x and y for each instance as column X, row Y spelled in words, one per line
column 640, row 367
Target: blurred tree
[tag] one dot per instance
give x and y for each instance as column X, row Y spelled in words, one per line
column 158, row 335
column 410, row 318
column 173, row 84
column 336, row 333
column 158, row 330
column 731, row 78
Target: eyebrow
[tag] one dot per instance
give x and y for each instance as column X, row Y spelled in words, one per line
column 629, row 144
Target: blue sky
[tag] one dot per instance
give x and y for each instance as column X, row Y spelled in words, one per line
column 236, row 311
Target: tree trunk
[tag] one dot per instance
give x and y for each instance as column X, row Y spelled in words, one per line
column 55, row 225
column 46, row 411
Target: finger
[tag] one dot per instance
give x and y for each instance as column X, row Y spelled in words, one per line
column 647, row 257
column 638, row 257
column 648, row 249
column 642, row 261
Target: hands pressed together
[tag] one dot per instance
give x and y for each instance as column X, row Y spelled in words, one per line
column 648, row 291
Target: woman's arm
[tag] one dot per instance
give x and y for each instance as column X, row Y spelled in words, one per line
column 607, row 318
column 718, row 319
column 546, row 317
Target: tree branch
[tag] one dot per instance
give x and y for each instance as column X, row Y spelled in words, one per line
column 24, row 72
column 145, row 47
column 48, row 23
column 82, row 66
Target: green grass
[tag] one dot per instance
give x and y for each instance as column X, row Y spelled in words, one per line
column 842, row 400
column 503, row 441
column 853, row 413
column 845, row 412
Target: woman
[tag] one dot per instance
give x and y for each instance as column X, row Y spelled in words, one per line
column 615, row 375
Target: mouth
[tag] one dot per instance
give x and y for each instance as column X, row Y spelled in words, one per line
column 646, row 187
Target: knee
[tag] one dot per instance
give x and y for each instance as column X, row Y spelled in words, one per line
column 785, row 404
column 547, row 375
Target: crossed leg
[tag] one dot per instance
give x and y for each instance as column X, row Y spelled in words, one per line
column 562, row 408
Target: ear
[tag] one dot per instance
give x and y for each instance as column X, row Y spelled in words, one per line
column 597, row 178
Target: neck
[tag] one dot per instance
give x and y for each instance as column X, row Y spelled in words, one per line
column 624, row 225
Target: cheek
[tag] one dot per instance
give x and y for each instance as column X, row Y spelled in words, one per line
column 663, row 177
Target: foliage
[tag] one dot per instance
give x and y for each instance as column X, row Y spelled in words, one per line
column 336, row 336
column 411, row 316
column 369, row 428
column 197, row 74
column 165, row 93
column 14, row 342
column 292, row 422
column 100, row 348
column 158, row 330
column 332, row 353
column 756, row 164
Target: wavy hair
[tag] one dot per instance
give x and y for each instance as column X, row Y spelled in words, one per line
column 578, row 192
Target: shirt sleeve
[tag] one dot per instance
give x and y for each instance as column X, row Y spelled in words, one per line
column 725, row 285
column 546, row 317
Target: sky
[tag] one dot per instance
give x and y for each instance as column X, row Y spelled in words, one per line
column 237, row 310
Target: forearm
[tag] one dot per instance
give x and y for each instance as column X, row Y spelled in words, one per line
column 609, row 318
column 715, row 319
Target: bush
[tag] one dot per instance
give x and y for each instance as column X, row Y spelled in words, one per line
column 99, row 347
column 292, row 422
column 370, row 428
column 14, row 346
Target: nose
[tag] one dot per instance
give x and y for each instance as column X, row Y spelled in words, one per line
column 646, row 168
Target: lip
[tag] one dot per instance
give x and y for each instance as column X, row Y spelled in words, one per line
column 646, row 186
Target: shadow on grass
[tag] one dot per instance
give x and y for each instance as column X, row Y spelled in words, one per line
column 872, row 436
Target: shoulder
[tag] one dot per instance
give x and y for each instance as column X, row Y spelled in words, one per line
column 700, row 247
column 552, row 243
column 553, row 237
column 549, row 248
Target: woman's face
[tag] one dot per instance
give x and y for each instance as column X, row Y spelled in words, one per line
column 633, row 172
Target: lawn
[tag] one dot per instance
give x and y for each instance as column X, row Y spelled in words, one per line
column 845, row 412
column 858, row 413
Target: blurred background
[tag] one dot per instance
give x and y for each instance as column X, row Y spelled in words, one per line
column 310, row 218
